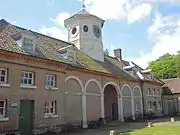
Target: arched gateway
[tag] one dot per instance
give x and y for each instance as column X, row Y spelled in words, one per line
column 112, row 103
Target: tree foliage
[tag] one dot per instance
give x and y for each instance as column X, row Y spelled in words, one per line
column 166, row 67
column 106, row 52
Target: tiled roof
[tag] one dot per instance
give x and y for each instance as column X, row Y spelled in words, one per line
column 146, row 76
column 47, row 47
column 172, row 84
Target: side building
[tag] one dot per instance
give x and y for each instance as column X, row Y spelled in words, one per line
column 46, row 82
column 171, row 97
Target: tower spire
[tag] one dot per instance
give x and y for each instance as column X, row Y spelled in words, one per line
column 83, row 6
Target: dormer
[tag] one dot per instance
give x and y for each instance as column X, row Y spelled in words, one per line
column 25, row 40
column 148, row 73
column 130, row 69
column 68, row 54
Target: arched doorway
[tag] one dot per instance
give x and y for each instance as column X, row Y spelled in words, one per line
column 73, row 100
column 93, row 100
column 111, row 102
column 138, row 101
column 127, row 102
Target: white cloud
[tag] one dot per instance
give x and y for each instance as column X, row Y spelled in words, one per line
column 106, row 9
column 60, row 18
column 58, row 32
column 130, row 10
column 164, row 33
column 139, row 12
column 54, row 32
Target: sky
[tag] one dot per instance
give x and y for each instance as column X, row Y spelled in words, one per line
column 143, row 29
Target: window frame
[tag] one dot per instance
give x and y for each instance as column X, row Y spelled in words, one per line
column 4, row 109
column 5, row 76
column 28, row 46
column 150, row 105
column 138, row 107
column 154, row 92
column 49, row 113
column 159, row 93
column 49, row 81
column 159, row 105
column 32, row 79
column 149, row 92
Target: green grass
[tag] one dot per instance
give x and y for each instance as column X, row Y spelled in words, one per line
column 161, row 130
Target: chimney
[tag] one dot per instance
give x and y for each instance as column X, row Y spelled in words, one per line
column 118, row 54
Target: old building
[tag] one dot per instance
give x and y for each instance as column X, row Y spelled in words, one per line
column 171, row 96
column 47, row 81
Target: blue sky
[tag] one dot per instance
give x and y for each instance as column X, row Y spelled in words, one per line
column 143, row 29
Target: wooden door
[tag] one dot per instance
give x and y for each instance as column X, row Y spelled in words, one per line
column 26, row 117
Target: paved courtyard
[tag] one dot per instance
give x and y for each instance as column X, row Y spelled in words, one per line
column 125, row 127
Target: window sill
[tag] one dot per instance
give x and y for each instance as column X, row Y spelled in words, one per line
column 28, row 86
column 50, row 116
column 4, row 119
column 4, row 85
column 51, row 88
column 137, row 110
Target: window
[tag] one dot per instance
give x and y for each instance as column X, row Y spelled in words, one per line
column 2, row 108
column 50, row 108
column 28, row 44
column 27, row 78
column 159, row 105
column 74, row 30
column 85, row 28
column 138, row 107
column 159, row 92
column 149, row 105
column 50, row 80
column 3, row 75
column 154, row 92
column 149, row 92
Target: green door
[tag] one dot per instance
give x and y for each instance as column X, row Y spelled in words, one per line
column 26, row 117
column 171, row 108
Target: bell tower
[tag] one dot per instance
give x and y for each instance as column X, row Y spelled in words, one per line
column 85, row 31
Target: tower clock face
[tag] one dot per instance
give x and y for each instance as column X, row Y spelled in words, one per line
column 97, row 31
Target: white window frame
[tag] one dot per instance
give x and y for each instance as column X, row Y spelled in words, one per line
column 149, row 105
column 47, row 84
column 30, row 46
column 4, row 109
column 159, row 93
column 159, row 105
column 149, row 92
column 48, row 105
column 154, row 92
column 5, row 76
column 23, row 78
column 138, row 107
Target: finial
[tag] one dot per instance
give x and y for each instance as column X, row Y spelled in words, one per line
column 84, row 6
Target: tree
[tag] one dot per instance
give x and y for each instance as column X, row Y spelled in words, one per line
column 106, row 52
column 167, row 66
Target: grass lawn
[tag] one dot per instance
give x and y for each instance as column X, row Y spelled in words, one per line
column 162, row 130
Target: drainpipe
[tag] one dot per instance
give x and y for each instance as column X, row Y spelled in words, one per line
column 142, row 92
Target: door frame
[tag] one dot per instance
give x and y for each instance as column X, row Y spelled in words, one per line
column 30, row 102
